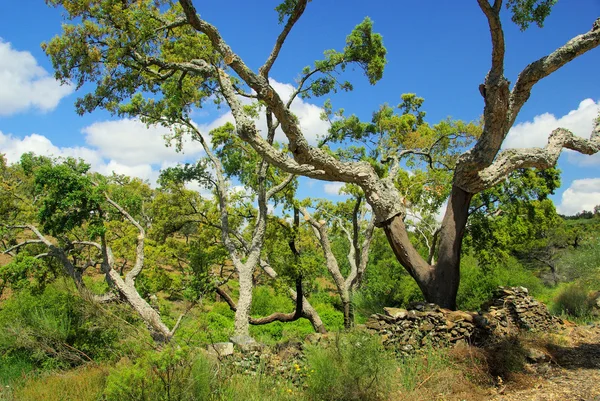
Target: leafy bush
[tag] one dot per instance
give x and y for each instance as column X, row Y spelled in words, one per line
column 57, row 329
column 354, row 367
column 477, row 283
column 265, row 301
column 173, row 374
column 572, row 300
column 13, row 367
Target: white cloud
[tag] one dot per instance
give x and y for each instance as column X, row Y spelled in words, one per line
column 333, row 188
column 535, row 133
column 25, row 85
column 103, row 159
column 583, row 194
column 308, row 114
column 14, row 147
column 130, row 142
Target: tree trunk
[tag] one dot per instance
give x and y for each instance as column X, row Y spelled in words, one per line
column 311, row 314
column 439, row 283
column 347, row 307
column 242, row 314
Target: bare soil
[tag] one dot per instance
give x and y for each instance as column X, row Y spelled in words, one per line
column 572, row 374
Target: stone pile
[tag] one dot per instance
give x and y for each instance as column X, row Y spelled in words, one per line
column 424, row 324
column 512, row 309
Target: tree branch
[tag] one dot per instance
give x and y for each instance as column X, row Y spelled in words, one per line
column 139, row 252
column 545, row 66
column 297, row 13
column 542, row 158
column 493, row 16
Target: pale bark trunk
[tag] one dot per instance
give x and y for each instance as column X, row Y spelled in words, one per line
column 347, row 307
column 242, row 314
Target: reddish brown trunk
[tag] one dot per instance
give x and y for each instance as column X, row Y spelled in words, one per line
column 439, row 283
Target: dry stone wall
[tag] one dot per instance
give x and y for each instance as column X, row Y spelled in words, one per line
column 511, row 309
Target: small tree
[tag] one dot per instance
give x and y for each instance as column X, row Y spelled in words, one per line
column 74, row 205
column 356, row 225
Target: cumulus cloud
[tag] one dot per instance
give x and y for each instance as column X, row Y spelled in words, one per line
column 535, row 133
column 308, row 114
column 14, row 147
column 25, row 85
column 123, row 147
column 583, row 194
column 130, row 142
column 333, row 188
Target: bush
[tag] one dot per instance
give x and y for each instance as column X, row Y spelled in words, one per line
column 354, row 367
column 13, row 367
column 477, row 283
column 173, row 374
column 572, row 300
column 57, row 329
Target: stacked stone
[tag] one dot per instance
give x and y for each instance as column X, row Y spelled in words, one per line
column 422, row 325
column 512, row 309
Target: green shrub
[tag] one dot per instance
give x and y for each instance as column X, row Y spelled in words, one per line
column 172, row 374
column 354, row 367
column 56, row 328
column 332, row 319
column 266, row 301
column 14, row 367
column 572, row 300
column 477, row 283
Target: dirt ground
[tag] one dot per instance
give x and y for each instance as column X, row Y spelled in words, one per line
column 572, row 373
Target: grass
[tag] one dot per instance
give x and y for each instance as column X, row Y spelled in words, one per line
column 82, row 384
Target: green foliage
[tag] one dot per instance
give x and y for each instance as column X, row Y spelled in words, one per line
column 386, row 282
column 524, row 12
column 477, row 281
column 172, row 374
column 354, row 367
column 516, row 218
column 14, row 366
column 583, row 263
column 25, row 271
column 70, row 197
column 572, row 299
column 56, row 329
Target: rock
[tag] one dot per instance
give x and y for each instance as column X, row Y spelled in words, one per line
column 456, row 316
column 220, row 349
column 396, row 313
column 427, row 326
column 536, row 356
column 246, row 343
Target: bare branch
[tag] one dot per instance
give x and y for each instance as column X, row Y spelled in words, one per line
column 545, row 66
column 493, row 16
column 297, row 13
column 19, row 245
column 139, row 253
column 510, row 160
column 279, row 187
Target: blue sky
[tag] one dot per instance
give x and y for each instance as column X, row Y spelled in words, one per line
column 436, row 49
